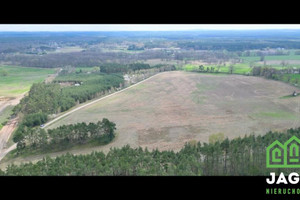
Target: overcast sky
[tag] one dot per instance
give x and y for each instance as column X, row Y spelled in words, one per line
column 142, row 27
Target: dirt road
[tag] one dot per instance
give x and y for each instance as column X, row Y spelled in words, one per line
column 6, row 151
column 97, row 100
column 6, row 132
column 10, row 126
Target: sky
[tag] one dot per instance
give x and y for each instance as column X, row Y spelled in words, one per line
column 142, row 27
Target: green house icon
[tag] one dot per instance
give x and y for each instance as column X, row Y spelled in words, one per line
column 285, row 155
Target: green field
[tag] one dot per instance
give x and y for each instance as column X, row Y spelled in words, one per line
column 239, row 68
column 19, row 79
column 250, row 58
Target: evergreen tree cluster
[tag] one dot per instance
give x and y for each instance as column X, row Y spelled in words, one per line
column 52, row 98
column 117, row 68
column 238, row 157
column 45, row 99
column 65, row 136
column 91, row 87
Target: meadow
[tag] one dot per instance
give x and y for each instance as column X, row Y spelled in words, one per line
column 238, row 68
column 19, row 79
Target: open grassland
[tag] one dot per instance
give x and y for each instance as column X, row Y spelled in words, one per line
column 19, row 79
column 177, row 107
column 238, row 68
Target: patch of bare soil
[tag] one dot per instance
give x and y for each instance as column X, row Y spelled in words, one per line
column 11, row 125
column 6, row 132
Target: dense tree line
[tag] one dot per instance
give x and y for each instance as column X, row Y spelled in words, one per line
column 277, row 74
column 65, row 136
column 92, row 87
column 134, row 48
column 90, row 58
column 133, row 67
column 35, row 119
column 238, row 44
column 122, row 68
column 52, row 98
column 26, row 42
column 238, row 157
column 45, row 98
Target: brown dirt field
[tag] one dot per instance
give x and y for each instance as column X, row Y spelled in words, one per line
column 176, row 107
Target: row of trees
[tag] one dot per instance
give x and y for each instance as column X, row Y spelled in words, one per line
column 122, row 68
column 90, row 58
column 239, row 44
column 139, row 75
column 276, row 74
column 240, row 156
column 133, row 67
column 65, row 136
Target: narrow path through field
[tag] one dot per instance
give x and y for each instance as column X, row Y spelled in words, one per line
column 11, row 125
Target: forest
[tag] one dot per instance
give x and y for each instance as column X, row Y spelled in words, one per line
column 64, row 137
column 52, row 98
column 40, row 49
column 46, row 99
column 244, row 156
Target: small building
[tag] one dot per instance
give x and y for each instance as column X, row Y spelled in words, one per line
column 126, row 77
column 77, row 84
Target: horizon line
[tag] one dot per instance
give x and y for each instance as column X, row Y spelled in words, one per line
column 141, row 27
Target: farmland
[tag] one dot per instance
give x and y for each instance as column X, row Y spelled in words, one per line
column 19, row 79
column 210, row 89
column 177, row 107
